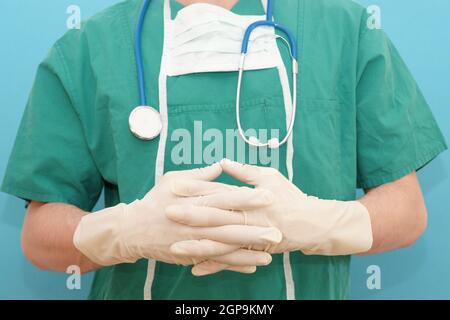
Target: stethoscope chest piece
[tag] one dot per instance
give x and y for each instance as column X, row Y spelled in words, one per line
column 145, row 123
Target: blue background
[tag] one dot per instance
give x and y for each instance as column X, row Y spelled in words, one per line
column 421, row 31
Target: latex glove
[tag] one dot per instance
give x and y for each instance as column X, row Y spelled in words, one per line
column 309, row 224
column 126, row 233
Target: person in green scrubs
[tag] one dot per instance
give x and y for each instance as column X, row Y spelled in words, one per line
column 361, row 122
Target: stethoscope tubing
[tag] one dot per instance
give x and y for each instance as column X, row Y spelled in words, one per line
column 273, row 144
column 138, row 52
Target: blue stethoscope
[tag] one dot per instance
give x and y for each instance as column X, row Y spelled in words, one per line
column 145, row 122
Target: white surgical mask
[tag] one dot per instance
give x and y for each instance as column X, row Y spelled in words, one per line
column 208, row 38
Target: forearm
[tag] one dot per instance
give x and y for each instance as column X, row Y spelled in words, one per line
column 398, row 214
column 47, row 237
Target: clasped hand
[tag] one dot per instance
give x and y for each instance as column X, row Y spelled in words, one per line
column 187, row 218
column 141, row 230
column 308, row 224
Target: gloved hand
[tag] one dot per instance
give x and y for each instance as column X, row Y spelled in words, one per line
column 126, row 233
column 309, row 224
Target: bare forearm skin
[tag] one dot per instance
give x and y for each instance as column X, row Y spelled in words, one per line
column 47, row 237
column 398, row 213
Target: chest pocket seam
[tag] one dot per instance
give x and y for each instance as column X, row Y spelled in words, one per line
column 264, row 103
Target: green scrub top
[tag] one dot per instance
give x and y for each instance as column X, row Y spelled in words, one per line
column 361, row 122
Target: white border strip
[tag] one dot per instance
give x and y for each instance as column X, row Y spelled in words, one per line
column 159, row 168
column 287, row 96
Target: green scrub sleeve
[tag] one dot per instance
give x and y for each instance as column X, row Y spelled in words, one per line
column 396, row 131
column 50, row 160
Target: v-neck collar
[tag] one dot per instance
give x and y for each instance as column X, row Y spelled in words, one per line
column 242, row 7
